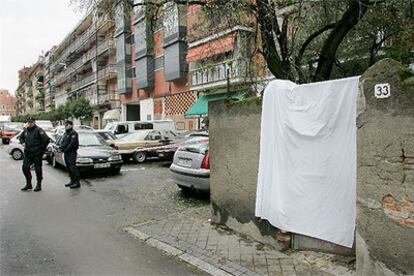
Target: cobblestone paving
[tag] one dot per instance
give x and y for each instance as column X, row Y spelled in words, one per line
column 193, row 234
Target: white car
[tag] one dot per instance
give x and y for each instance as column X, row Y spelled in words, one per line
column 190, row 169
column 16, row 150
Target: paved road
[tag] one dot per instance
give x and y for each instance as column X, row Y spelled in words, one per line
column 63, row 231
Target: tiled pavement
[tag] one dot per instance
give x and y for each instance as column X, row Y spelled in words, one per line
column 191, row 237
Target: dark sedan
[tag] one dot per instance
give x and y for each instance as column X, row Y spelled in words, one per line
column 93, row 154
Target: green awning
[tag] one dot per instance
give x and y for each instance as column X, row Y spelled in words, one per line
column 200, row 107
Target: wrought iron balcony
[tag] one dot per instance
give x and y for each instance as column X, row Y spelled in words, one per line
column 236, row 71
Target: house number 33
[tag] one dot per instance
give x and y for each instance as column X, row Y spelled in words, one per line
column 382, row 90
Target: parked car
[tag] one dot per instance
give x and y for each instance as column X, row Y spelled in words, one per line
column 108, row 136
column 93, row 154
column 190, row 169
column 10, row 130
column 127, row 146
column 45, row 125
column 60, row 130
column 119, row 128
column 166, row 152
column 16, row 150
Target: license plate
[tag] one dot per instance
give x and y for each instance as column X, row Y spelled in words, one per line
column 102, row 165
column 184, row 162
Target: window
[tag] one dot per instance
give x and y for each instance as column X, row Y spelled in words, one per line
column 153, row 136
column 159, row 63
column 140, row 126
column 121, row 129
column 169, row 135
column 170, row 21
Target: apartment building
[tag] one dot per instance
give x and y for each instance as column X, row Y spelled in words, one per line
column 173, row 66
column 30, row 92
column 7, row 103
column 84, row 65
column 222, row 59
column 21, row 94
column 152, row 72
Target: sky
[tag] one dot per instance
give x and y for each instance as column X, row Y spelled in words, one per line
column 28, row 27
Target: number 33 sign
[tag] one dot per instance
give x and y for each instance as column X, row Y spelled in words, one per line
column 382, row 90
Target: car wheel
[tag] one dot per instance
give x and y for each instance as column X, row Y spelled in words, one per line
column 17, row 154
column 140, row 156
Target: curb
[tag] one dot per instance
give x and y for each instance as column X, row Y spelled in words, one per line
column 172, row 251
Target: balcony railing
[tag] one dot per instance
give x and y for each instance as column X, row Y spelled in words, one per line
column 84, row 81
column 109, row 70
column 107, row 44
column 106, row 97
column 236, row 70
column 79, row 42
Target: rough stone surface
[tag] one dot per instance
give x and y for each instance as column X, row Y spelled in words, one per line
column 385, row 174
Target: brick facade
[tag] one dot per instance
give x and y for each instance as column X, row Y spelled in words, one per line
column 7, row 103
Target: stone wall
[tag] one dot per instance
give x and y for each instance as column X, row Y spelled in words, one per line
column 385, row 187
column 385, row 226
column 234, row 147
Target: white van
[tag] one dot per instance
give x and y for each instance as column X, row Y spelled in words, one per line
column 121, row 128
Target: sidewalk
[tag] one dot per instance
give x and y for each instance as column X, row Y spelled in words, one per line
column 190, row 237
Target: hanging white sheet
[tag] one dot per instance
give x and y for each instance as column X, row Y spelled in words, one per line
column 307, row 170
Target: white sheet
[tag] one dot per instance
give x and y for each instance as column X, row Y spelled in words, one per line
column 307, row 169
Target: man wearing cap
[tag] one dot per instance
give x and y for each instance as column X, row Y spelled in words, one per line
column 35, row 141
column 69, row 146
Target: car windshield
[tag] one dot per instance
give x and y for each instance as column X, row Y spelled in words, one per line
column 108, row 135
column 47, row 125
column 170, row 135
column 134, row 136
column 90, row 140
column 110, row 126
column 197, row 148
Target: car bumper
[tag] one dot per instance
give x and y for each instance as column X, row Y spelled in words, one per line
column 90, row 166
column 194, row 181
column 9, row 149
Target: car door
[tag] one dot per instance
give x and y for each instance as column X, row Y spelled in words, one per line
column 57, row 152
column 153, row 139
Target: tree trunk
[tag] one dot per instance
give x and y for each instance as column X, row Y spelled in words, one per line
column 355, row 12
column 268, row 23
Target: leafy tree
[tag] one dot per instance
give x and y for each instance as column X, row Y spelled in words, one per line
column 82, row 109
column 308, row 40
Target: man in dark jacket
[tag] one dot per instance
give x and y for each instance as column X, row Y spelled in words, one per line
column 35, row 141
column 69, row 146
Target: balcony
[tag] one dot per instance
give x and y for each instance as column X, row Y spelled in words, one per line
column 106, row 45
column 107, row 97
column 83, row 82
column 107, row 72
column 216, row 75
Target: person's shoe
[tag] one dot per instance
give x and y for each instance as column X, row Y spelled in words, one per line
column 37, row 188
column 26, row 188
column 75, row 185
column 69, row 184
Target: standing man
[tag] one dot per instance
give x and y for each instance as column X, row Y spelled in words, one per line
column 69, row 146
column 35, row 142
